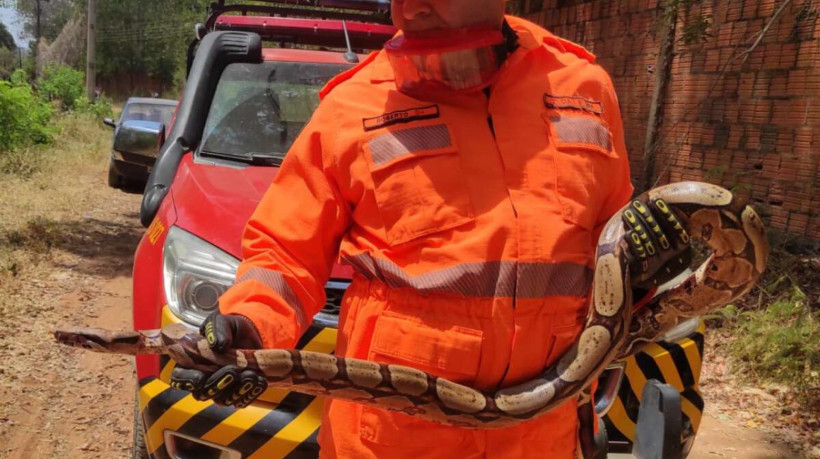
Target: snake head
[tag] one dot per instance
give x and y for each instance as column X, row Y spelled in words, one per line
column 98, row 340
column 109, row 341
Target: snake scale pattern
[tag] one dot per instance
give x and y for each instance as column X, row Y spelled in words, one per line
column 711, row 214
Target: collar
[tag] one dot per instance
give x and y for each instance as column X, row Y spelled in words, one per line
column 520, row 41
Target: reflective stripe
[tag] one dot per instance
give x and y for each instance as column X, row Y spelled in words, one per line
column 391, row 145
column 293, row 434
column 276, row 282
column 620, row 419
column 581, row 129
column 539, row 280
column 499, row 279
column 173, row 419
column 663, row 359
column 691, row 411
column 149, row 391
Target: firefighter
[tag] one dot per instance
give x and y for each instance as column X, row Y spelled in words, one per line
column 465, row 172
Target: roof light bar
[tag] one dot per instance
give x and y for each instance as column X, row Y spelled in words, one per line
column 361, row 5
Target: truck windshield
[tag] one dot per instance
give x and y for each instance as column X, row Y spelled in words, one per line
column 258, row 110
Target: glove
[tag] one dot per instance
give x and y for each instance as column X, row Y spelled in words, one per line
column 228, row 385
column 659, row 248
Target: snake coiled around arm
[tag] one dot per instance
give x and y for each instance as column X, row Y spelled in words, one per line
column 711, row 214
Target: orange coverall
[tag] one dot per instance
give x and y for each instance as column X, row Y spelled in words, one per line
column 472, row 245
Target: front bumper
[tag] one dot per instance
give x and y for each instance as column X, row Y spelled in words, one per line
column 677, row 364
column 285, row 424
column 281, row 425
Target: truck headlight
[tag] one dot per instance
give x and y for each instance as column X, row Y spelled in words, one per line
column 195, row 274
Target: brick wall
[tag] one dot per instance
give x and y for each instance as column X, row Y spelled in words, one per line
column 750, row 122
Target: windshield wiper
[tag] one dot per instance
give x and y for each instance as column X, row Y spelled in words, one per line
column 256, row 158
column 266, row 159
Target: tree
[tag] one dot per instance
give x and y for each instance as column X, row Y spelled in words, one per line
column 44, row 18
column 146, row 38
column 6, row 39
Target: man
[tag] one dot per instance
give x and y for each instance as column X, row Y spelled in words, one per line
column 465, row 172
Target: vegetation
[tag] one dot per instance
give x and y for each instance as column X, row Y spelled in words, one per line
column 62, row 84
column 150, row 39
column 133, row 38
column 27, row 115
column 24, row 117
column 6, row 39
column 32, row 204
column 775, row 332
column 51, row 15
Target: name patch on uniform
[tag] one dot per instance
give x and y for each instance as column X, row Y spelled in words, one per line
column 574, row 102
column 401, row 116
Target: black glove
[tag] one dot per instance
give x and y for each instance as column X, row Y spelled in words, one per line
column 228, row 385
column 659, row 247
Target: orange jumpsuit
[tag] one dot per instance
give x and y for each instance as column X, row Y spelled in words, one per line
column 471, row 225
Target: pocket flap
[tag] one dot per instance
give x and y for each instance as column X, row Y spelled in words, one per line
column 581, row 132
column 451, row 351
column 394, row 145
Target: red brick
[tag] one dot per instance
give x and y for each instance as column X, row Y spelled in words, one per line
column 766, row 8
column 791, row 112
column 749, row 10
column 761, row 122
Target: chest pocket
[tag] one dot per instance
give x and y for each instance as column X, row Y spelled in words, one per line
column 417, row 179
column 584, row 157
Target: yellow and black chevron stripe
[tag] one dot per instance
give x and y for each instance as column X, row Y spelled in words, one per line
column 677, row 364
column 283, row 425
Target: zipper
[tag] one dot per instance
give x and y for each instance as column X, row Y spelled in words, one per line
column 518, row 241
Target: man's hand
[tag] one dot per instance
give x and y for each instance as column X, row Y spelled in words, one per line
column 659, row 247
column 228, row 385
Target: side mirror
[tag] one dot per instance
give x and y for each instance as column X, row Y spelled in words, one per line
column 109, row 122
column 139, row 137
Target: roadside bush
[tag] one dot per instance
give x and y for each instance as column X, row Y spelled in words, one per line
column 780, row 342
column 19, row 78
column 62, row 83
column 8, row 61
column 24, row 118
column 99, row 109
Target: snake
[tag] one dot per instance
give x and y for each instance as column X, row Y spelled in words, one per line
column 723, row 221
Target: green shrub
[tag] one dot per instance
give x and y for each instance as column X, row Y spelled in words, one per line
column 24, row 118
column 64, row 84
column 780, row 342
column 19, row 78
column 99, row 109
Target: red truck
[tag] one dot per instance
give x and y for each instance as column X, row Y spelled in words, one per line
column 255, row 71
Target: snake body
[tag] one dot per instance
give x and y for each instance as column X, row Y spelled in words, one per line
column 711, row 214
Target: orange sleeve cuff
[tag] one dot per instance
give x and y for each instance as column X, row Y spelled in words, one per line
column 276, row 322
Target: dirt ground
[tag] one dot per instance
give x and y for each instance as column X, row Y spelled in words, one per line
column 61, row 402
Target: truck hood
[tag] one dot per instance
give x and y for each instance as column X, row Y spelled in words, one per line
column 214, row 202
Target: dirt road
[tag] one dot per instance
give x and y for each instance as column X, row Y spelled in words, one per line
column 60, row 402
column 55, row 401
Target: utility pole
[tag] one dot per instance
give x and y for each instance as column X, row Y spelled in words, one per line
column 91, row 55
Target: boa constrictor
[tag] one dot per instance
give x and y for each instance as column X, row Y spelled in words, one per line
column 711, row 214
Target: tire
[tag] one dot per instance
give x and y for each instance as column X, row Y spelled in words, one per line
column 115, row 180
column 601, row 440
column 139, row 450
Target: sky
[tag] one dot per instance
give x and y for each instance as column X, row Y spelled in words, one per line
column 8, row 16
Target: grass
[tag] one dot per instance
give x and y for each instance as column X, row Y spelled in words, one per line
column 80, row 148
column 774, row 333
column 45, row 189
